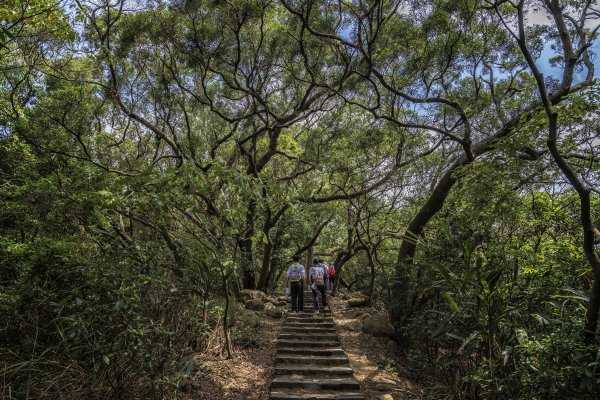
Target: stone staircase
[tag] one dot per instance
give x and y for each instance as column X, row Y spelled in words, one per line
column 310, row 362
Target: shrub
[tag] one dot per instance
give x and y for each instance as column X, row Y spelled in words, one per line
column 245, row 331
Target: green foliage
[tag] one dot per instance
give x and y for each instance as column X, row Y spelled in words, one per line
column 245, row 331
column 80, row 303
column 500, row 294
column 550, row 365
column 157, row 156
column 70, row 314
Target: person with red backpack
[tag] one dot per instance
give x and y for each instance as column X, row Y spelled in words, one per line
column 331, row 274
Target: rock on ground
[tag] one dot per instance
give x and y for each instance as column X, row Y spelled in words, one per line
column 350, row 325
column 378, row 326
column 358, row 302
column 248, row 294
column 274, row 312
column 363, row 315
column 271, row 300
column 255, row 305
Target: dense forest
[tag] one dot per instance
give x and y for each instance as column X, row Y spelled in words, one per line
column 159, row 156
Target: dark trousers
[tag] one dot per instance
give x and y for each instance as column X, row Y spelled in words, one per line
column 297, row 292
column 320, row 288
column 331, row 282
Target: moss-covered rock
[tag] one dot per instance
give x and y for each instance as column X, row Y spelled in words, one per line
column 274, row 313
column 377, row 325
column 271, row 300
column 358, row 302
column 362, row 315
column 255, row 305
column 248, row 294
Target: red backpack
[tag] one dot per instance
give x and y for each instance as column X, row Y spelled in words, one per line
column 331, row 271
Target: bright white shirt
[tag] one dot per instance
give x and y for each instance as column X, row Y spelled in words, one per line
column 296, row 271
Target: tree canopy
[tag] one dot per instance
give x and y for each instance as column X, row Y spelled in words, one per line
column 157, row 157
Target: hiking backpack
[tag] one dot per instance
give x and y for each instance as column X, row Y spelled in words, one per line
column 297, row 271
column 331, row 271
column 319, row 277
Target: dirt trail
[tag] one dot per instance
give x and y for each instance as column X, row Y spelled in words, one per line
column 368, row 358
column 246, row 376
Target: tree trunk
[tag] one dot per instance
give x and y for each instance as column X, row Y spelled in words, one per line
column 401, row 307
column 225, row 278
column 371, row 279
column 591, row 315
column 248, row 276
column 308, row 261
column 342, row 259
column 246, row 251
column 280, row 272
column 585, row 217
column 338, row 264
column 274, row 270
column 271, row 222
column 266, row 266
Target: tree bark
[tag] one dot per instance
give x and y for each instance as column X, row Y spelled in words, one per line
column 308, row 261
column 571, row 58
column 585, row 217
column 225, row 278
column 246, row 251
column 266, row 266
column 270, row 223
column 401, row 306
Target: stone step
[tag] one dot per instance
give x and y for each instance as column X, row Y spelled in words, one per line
column 310, row 363
column 311, row 337
column 308, row 310
column 307, row 343
column 309, row 318
column 307, row 324
column 316, row 385
column 311, row 351
column 280, row 395
column 312, row 307
column 308, row 359
column 306, row 329
column 312, row 370
column 317, row 322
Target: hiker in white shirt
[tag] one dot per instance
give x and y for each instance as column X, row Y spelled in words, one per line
column 295, row 277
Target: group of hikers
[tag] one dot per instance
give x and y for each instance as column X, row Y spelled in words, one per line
column 321, row 277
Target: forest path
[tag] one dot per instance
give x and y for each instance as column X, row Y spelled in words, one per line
column 310, row 362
